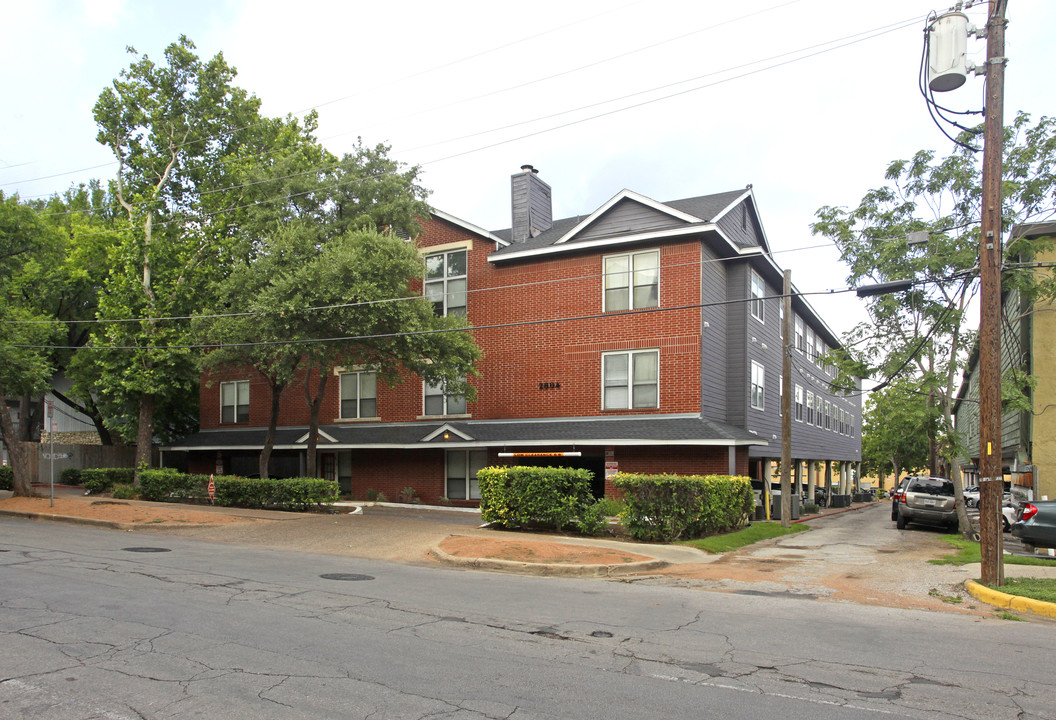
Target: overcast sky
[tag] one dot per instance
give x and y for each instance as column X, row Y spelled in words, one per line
column 668, row 98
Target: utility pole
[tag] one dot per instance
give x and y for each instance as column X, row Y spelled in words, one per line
column 991, row 487
column 786, row 402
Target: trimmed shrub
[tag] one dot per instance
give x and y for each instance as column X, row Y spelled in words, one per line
column 7, row 477
column 70, row 476
column 547, row 496
column 169, row 485
column 662, row 508
column 100, row 480
column 120, row 491
column 284, row 493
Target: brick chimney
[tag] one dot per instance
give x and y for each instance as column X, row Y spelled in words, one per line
column 532, row 209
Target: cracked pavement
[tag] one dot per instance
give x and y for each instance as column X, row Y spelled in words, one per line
column 89, row 630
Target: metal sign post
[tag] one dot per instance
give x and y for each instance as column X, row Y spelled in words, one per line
column 51, row 414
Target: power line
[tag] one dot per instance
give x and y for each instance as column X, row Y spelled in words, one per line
column 381, row 336
column 533, row 283
column 852, row 39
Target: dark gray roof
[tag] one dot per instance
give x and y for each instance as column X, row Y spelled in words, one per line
column 624, row 430
column 705, row 207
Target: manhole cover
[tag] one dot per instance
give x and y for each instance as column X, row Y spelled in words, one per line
column 146, row 549
column 601, row 634
column 348, row 577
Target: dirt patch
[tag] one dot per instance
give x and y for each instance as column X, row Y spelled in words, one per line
column 117, row 511
column 536, row 551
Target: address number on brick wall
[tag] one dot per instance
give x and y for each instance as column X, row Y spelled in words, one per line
column 549, row 386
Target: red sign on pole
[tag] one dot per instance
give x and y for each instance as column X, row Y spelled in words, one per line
column 212, row 489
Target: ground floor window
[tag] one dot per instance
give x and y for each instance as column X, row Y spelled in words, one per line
column 462, row 469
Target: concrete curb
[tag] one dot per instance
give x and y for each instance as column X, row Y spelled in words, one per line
column 1010, row 602
column 66, row 519
column 550, row 569
column 91, row 522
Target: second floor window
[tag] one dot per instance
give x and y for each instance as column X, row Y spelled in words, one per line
column 445, row 282
column 632, row 280
column 439, row 402
column 799, row 332
column 798, row 398
column 234, row 401
column 630, row 380
column 758, row 385
column 359, row 395
column 810, row 408
column 758, row 292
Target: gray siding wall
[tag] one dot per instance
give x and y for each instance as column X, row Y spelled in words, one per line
column 741, row 225
column 762, row 342
column 626, row 217
column 811, row 442
column 736, row 344
column 714, row 337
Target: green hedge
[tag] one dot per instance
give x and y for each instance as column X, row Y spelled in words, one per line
column 70, row 476
column 284, row 493
column 169, row 485
column 662, row 508
column 100, row 480
column 7, row 477
column 548, row 496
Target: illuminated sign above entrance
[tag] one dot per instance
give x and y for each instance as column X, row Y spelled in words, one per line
column 540, row 454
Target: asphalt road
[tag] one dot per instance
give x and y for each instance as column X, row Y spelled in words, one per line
column 123, row 626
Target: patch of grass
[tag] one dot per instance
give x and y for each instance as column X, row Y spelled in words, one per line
column 1005, row 615
column 968, row 552
column 1043, row 589
column 951, row 599
column 754, row 533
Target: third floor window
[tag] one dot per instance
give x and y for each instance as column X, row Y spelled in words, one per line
column 445, row 282
column 632, row 280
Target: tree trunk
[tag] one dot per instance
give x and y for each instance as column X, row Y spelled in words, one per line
column 31, row 413
column 91, row 411
column 17, row 451
column 314, row 403
column 144, row 434
column 273, row 421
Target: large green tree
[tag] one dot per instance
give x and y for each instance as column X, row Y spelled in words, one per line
column 314, row 271
column 896, row 424
column 924, row 334
column 181, row 133
column 29, row 250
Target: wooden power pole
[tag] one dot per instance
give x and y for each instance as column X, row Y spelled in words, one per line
column 786, row 402
column 991, row 487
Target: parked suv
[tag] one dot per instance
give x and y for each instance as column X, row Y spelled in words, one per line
column 896, row 495
column 928, row 500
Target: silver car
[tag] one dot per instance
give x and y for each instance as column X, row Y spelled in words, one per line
column 927, row 500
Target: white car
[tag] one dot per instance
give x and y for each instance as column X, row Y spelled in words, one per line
column 971, row 496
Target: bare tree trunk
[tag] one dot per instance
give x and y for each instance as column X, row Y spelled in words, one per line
column 314, row 403
column 144, row 434
column 18, row 451
column 273, row 421
column 91, row 411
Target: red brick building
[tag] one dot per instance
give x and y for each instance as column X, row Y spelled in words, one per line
column 643, row 337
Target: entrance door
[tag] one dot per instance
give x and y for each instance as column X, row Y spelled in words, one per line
column 329, row 464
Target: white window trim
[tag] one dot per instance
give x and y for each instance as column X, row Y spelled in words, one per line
column 446, row 414
column 454, row 247
column 469, row 468
column 754, row 301
column 630, row 378
column 761, row 384
column 359, row 398
column 630, row 255
column 235, row 419
column 797, row 403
